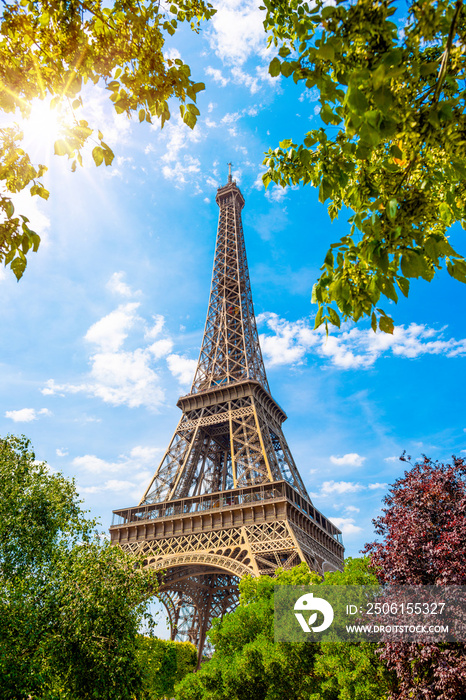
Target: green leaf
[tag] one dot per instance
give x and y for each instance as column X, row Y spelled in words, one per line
column 98, row 155
column 386, row 324
column 108, row 156
column 9, row 208
column 190, row 119
column 403, row 285
column 334, row 317
column 457, row 269
column 286, row 69
column 374, row 322
column 319, row 319
column 61, row 148
column 357, row 100
column 198, row 87
column 329, row 259
column 316, row 293
column 392, row 209
column 412, row 264
column 327, row 52
column 274, row 67
column 18, row 266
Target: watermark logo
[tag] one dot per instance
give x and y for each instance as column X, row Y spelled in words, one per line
column 308, row 603
column 378, row 614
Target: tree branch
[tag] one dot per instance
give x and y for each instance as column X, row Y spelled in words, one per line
column 446, row 53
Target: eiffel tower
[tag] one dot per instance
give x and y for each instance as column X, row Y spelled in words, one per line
column 227, row 499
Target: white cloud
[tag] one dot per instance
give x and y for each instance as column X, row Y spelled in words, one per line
column 61, row 453
column 171, row 54
column 177, row 136
column 210, row 182
column 26, row 415
column 236, row 31
column 346, row 525
column 352, row 459
column 117, row 285
column 156, row 327
column 146, row 454
column 119, row 376
column 182, row 368
column 231, row 117
column 376, row 486
column 391, row 459
column 140, row 457
column 161, row 348
column 240, row 77
column 86, row 419
column 217, row 76
column 352, row 509
column 110, row 332
column 137, row 469
column 330, row 487
column 95, row 465
column 182, row 170
column 125, row 378
column 276, row 193
column 291, row 341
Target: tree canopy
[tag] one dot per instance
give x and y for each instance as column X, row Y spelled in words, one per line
column 423, row 542
column 71, row 604
column 247, row 663
column 52, row 49
column 392, row 145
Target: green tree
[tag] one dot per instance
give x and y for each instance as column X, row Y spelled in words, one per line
column 351, row 671
column 70, row 603
column 164, row 664
column 392, row 144
column 247, row 664
column 51, row 48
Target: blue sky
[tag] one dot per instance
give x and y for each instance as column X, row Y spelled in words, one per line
column 102, row 334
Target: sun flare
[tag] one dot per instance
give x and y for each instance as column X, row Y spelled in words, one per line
column 42, row 128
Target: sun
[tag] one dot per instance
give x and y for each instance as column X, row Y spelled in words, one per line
column 42, row 128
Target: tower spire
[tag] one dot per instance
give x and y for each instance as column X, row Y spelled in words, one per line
column 230, row 350
column 229, row 172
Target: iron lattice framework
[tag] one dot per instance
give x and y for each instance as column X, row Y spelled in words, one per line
column 227, row 499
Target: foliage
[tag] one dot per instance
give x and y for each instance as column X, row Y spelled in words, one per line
column 164, row 664
column 50, row 48
column 423, row 527
column 70, row 604
column 391, row 147
column 248, row 664
column 351, row 671
column 424, row 542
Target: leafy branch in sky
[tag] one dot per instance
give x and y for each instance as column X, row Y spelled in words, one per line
column 51, row 49
column 392, row 145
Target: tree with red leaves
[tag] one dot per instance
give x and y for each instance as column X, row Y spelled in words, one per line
column 423, row 531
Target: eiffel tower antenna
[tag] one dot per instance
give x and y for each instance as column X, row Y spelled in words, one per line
column 227, row 498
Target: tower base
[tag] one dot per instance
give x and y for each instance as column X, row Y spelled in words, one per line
column 203, row 545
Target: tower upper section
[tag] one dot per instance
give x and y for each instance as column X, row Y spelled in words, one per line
column 230, row 349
